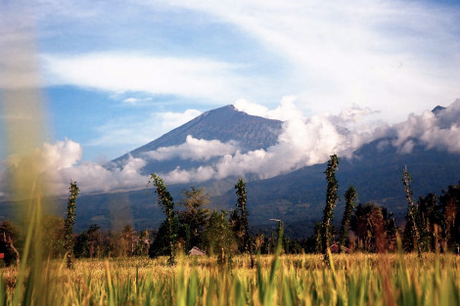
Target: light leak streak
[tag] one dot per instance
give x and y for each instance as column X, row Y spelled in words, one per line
column 23, row 111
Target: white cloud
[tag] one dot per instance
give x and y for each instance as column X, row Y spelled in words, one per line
column 123, row 72
column 60, row 162
column 178, row 175
column 171, row 120
column 251, row 108
column 303, row 142
column 194, row 149
column 287, row 109
column 62, row 154
column 440, row 131
column 131, row 100
column 389, row 55
column 309, row 141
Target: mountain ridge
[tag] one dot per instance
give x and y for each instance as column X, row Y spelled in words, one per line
column 296, row 197
column 225, row 123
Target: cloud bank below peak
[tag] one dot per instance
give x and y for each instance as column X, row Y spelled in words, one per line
column 310, row 141
column 302, row 142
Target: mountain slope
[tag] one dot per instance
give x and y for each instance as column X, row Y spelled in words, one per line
column 225, row 124
column 297, row 197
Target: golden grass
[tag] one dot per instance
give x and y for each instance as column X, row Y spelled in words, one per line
column 356, row 279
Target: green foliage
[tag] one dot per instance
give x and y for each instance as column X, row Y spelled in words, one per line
column 369, row 224
column 331, row 200
column 129, row 239
column 161, row 245
column 450, row 203
column 193, row 219
column 70, row 221
column 218, row 237
column 81, row 246
column 413, row 227
column 350, row 202
column 54, row 233
column 392, row 230
column 142, row 247
column 316, row 243
column 165, row 201
column 12, row 241
column 239, row 218
column 90, row 243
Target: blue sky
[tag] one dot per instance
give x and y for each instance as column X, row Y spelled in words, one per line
column 118, row 74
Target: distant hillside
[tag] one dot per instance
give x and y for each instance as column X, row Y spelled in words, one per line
column 298, row 197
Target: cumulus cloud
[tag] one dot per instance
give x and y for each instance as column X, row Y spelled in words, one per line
column 60, row 162
column 309, row 141
column 194, row 149
column 287, row 109
column 302, row 142
column 439, row 130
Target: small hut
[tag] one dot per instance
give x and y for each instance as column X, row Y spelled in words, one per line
column 196, row 251
column 335, row 248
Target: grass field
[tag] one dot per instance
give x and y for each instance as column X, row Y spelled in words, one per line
column 356, row 279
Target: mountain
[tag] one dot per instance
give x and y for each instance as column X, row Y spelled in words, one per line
column 296, row 197
column 225, row 124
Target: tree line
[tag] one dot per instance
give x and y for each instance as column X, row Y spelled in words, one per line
column 432, row 223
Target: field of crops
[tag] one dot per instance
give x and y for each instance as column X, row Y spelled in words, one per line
column 355, row 279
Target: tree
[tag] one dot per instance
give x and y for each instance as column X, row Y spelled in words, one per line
column 259, row 242
column 218, row 237
column 317, row 243
column 94, row 240
column 81, row 246
column 450, row 201
column 239, row 218
column 161, row 245
column 193, row 219
column 54, row 232
column 350, row 199
column 10, row 235
column 391, row 228
column 90, row 243
column 412, row 229
column 369, row 225
column 331, row 200
column 430, row 217
column 142, row 247
column 69, row 222
column 129, row 238
column 170, row 224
